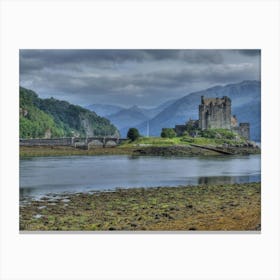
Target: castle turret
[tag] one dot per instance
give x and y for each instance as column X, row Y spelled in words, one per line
column 202, row 100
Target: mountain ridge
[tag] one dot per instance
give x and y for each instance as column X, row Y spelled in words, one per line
column 47, row 118
column 241, row 94
column 245, row 94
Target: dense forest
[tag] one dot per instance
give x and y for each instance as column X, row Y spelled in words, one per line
column 49, row 118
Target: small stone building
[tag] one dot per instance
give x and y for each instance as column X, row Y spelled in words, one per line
column 180, row 129
column 243, row 130
column 191, row 126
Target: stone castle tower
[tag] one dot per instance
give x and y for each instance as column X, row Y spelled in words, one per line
column 215, row 113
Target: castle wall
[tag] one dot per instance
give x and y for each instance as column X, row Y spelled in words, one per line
column 203, row 117
column 215, row 113
column 243, row 130
column 70, row 141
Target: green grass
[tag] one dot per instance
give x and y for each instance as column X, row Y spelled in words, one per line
column 184, row 140
column 208, row 141
column 153, row 141
column 71, row 151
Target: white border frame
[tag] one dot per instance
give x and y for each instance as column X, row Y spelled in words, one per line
column 156, row 24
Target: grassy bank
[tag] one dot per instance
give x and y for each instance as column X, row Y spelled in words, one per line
column 150, row 146
column 204, row 207
column 183, row 150
column 71, row 151
column 184, row 140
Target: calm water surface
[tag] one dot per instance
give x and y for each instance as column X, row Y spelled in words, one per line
column 43, row 175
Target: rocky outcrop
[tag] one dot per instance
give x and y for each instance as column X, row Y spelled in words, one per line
column 193, row 150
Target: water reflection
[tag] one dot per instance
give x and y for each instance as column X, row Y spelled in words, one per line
column 228, row 179
column 39, row 176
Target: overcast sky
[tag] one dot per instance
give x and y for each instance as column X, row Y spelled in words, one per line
column 132, row 77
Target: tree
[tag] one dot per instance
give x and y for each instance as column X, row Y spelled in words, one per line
column 133, row 134
column 168, row 133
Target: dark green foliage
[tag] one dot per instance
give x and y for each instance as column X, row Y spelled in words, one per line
column 168, row 133
column 59, row 118
column 133, row 134
column 33, row 122
column 37, row 125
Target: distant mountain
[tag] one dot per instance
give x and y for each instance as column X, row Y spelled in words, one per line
column 47, row 118
column 246, row 105
column 124, row 118
column 104, row 110
column 152, row 112
column 127, row 118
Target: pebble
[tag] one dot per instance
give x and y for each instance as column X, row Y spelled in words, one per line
column 37, row 216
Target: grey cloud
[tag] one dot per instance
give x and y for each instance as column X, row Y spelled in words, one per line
column 250, row 52
column 34, row 60
column 218, row 74
column 146, row 81
column 84, row 76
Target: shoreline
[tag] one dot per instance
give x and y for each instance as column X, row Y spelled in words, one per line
column 227, row 207
column 169, row 150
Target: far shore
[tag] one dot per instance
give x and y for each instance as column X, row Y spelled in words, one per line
column 228, row 207
column 152, row 150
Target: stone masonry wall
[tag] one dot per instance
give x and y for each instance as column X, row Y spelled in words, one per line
column 243, row 130
column 68, row 141
column 215, row 113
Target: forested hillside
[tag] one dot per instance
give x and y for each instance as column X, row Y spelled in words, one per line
column 51, row 118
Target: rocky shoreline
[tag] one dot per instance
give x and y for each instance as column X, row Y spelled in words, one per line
column 196, row 150
column 229, row 207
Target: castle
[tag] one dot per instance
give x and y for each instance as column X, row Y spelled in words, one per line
column 215, row 113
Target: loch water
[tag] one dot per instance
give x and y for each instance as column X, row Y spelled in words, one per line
column 40, row 176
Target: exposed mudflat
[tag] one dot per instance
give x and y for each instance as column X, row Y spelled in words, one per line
column 232, row 207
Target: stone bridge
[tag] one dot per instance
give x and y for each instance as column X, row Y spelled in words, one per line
column 98, row 141
column 73, row 141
